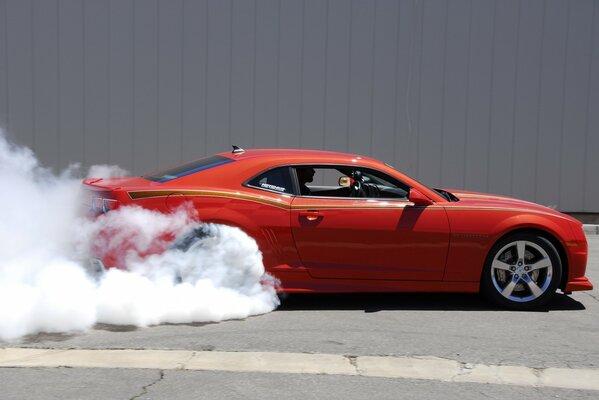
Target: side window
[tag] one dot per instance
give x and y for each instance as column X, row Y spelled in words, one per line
column 348, row 181
column 275, row 180
column 378, row 184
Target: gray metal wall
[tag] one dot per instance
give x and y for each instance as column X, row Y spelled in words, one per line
column 499, row 96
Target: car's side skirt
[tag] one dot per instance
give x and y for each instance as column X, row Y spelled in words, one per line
column 367, row 286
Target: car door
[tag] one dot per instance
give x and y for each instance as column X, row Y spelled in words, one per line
column 369, row 238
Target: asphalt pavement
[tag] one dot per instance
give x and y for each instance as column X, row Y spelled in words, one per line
column 457, row 328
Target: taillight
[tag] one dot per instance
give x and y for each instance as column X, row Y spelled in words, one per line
column 101, row 205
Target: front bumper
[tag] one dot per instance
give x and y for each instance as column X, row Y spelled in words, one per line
column 578, row 284
column 578, row 253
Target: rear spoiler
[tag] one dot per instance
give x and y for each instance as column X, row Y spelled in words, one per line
column 101, row 199
column 96, row 184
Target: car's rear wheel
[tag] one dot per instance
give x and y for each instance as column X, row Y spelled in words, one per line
column 522, row 272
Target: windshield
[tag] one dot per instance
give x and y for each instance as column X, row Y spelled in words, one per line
column 443, row 193
column 447, row 195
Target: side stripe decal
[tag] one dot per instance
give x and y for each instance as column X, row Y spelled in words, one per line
column 148, row 194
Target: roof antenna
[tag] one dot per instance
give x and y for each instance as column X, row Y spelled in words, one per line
column 237, row 150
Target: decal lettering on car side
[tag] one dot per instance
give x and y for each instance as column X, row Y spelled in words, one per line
column 272, row 187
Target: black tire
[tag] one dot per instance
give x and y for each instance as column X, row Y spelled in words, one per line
column 522, row 272
column 188, row 239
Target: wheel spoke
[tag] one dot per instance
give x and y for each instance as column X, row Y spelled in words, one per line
column 521, row 245
column 509, row 288
column 501, row 265
column 544, row 263
column 534, row 288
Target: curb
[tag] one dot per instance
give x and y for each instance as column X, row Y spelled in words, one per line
column 394, row 367
column 591, row 229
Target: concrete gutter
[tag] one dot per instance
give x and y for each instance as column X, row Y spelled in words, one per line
column 426, row 368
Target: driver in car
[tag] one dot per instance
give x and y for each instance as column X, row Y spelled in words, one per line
column 305, row 175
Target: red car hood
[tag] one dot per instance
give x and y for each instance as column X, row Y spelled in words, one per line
column 476, row 199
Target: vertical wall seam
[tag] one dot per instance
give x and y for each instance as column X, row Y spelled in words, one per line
column 588, row 113
column 278, row 78
column 133, row 66
column 301, row 105
column 108, row 85
column 563, row 110
column 349, row 59
column 326, row 74
column 182, row 81
column 443, row 91
column 467, row 110
column 83, row 80
column 231, row 5
column 32, row 44
column 58, row 108
column 372, row 68
column 419, row 102
column 7, row 127
column 538, row 121
column 156, row 161
column 408, row 93
column 254, row 75
column 492, row 87
column 515, row 98
column 206, row 63
column 396, row 92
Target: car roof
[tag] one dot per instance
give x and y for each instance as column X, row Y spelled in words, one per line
column 299, row 156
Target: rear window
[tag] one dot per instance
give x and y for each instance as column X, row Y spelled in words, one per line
column 276, row 180
column 188, row 169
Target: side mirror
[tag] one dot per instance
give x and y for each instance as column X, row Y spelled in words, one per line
column 345, row 181
column 419, row 199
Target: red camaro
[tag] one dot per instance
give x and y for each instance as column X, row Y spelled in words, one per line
column 334, row 222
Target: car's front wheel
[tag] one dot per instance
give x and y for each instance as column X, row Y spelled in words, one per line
column 522, row 272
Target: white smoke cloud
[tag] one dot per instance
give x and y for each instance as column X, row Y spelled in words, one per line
column 106, row 171
column 45, row 244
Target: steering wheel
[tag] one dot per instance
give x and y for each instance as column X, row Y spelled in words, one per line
column 372, row 190
column 356, row 189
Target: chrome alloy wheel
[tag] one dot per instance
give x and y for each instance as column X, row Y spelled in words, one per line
column 521, row 271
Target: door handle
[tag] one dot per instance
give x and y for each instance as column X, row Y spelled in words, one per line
column 311, row 215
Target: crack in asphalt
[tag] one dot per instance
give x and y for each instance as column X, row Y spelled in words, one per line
column 183, row 365
column 144, row 389
column 591, row 295
column 538, row 372
column 488, row 396
column 465, row 369
column 353, row 360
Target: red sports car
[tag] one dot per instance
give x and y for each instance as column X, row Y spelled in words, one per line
column 334, row 222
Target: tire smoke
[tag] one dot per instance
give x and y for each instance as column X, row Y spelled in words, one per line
column 46, row 242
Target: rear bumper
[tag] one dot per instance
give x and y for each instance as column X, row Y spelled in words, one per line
column 578, row 284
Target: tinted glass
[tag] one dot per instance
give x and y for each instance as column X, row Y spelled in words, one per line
column 277, row 180
column 189, row 168
column 325, row 181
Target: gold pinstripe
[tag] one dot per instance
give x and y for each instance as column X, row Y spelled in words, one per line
column 523, row 210
column 149, row 194
column 484, row 196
